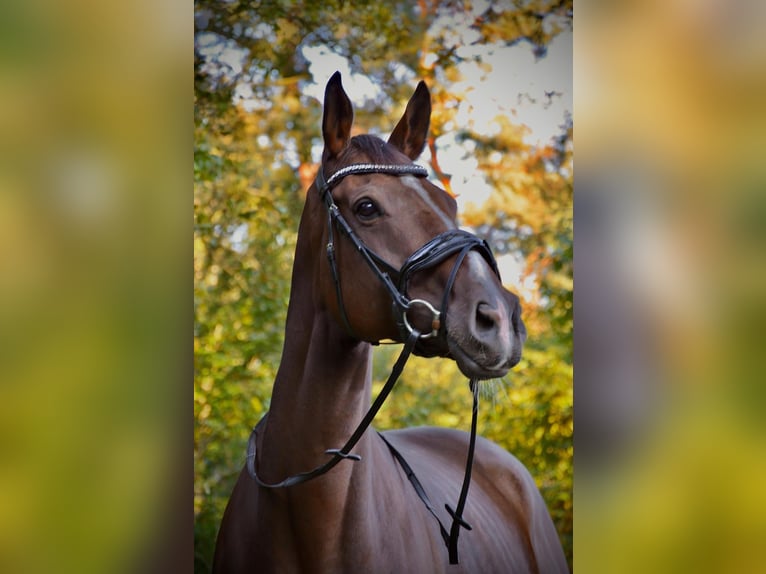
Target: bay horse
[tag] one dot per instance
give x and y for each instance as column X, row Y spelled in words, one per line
column 379, row 256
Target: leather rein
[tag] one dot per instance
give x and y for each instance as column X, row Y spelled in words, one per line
column 429, row 255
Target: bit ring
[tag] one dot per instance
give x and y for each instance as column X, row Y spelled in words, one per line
column 435, row 318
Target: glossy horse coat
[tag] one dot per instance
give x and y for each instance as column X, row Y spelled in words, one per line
column 365, row 516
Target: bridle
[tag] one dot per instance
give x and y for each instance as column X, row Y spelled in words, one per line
column 396, row 282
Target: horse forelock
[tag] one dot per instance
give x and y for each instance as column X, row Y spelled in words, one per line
column 371, row 149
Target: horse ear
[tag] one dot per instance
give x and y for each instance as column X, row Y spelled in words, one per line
column 338, row 117
column 410, row 134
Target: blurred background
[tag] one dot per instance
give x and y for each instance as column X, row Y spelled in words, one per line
column 95, row 296
column 500, row 141
column 95, row 285
column 670, row 212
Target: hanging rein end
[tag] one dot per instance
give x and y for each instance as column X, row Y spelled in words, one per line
column 459, row 519
column 451, row 539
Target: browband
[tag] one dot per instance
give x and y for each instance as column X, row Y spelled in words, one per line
column 325, row 185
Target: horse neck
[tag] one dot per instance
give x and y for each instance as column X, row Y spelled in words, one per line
column 322, row 387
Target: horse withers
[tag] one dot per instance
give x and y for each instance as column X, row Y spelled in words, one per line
column 379, row 256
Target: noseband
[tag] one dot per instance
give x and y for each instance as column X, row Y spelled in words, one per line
column 396, row 281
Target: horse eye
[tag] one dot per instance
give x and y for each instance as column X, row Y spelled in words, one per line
column 366, row 209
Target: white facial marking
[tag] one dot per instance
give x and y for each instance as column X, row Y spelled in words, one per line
column 414, row 184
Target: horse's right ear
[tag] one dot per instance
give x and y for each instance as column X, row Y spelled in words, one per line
column 337, row 119
column 410, row 134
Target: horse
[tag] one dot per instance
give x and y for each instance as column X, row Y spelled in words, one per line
column 379, row 256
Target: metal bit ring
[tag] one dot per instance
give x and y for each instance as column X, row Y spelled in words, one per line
column 435, row 320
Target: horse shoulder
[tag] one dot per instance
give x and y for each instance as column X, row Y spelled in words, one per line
column 499, row 479
column 509, row 482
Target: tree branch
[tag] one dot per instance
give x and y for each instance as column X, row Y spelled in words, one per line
column 444, row 178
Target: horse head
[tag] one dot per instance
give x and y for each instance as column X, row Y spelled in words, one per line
column 396, row 259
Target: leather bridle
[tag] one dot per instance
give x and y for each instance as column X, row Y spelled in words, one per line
column 396, row 282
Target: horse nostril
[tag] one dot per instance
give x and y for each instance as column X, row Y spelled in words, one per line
column 485, row 317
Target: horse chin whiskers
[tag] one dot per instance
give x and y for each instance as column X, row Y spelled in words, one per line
column 490, row 389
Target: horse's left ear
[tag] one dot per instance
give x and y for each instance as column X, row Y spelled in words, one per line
column 337, row 118
column 410, row 134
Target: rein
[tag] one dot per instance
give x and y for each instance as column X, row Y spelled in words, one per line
column 342, row 453
column 434, row 252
